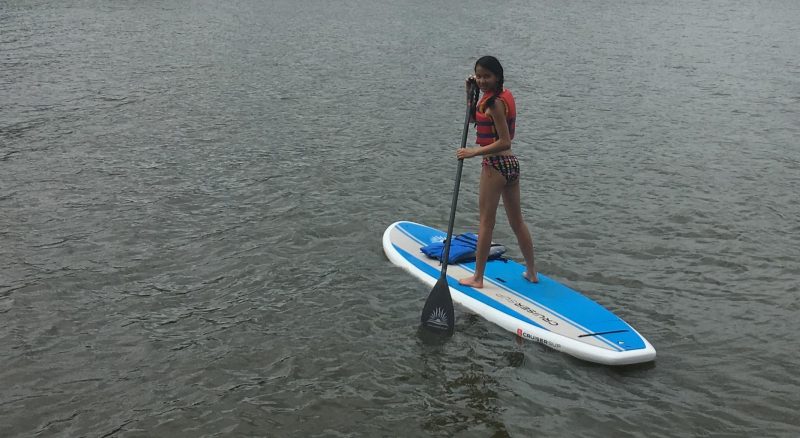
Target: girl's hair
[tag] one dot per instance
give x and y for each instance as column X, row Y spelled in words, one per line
column 493, row 65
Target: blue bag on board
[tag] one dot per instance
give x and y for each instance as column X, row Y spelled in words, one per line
column 462, row 249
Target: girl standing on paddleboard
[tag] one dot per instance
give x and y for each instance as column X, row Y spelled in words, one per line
column 495, row 120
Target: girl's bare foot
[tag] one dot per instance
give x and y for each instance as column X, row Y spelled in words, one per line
column 535, row 278
column 471, row 282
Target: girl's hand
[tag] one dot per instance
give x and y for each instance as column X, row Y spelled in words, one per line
column 464, row 153
column 470, row 81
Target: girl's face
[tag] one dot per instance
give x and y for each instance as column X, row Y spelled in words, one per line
column 487, row 81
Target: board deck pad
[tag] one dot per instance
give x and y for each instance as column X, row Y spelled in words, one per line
column 547, row 312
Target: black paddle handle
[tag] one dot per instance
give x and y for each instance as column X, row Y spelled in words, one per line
column 472, row 103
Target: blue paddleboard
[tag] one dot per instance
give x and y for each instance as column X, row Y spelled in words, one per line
column 546, row 312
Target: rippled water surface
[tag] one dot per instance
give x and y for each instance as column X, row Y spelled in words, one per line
column 192, row 196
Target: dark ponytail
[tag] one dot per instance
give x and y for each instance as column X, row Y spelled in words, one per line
column 473, row 94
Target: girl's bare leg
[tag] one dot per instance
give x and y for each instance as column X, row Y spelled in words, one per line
column 511, row 201
column 491, row 188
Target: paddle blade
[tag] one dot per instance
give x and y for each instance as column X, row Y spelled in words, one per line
column 438, row 315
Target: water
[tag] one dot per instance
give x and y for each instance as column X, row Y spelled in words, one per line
column 193, row 196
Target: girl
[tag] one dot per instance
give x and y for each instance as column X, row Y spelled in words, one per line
column 495, row 122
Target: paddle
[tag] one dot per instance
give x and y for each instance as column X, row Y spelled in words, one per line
column 438, row 314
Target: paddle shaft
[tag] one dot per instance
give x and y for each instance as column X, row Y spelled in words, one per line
column 457, row 184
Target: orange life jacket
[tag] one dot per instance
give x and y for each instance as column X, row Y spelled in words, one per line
column 484, row 125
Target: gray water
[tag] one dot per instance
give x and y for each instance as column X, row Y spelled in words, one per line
column 192, row 197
